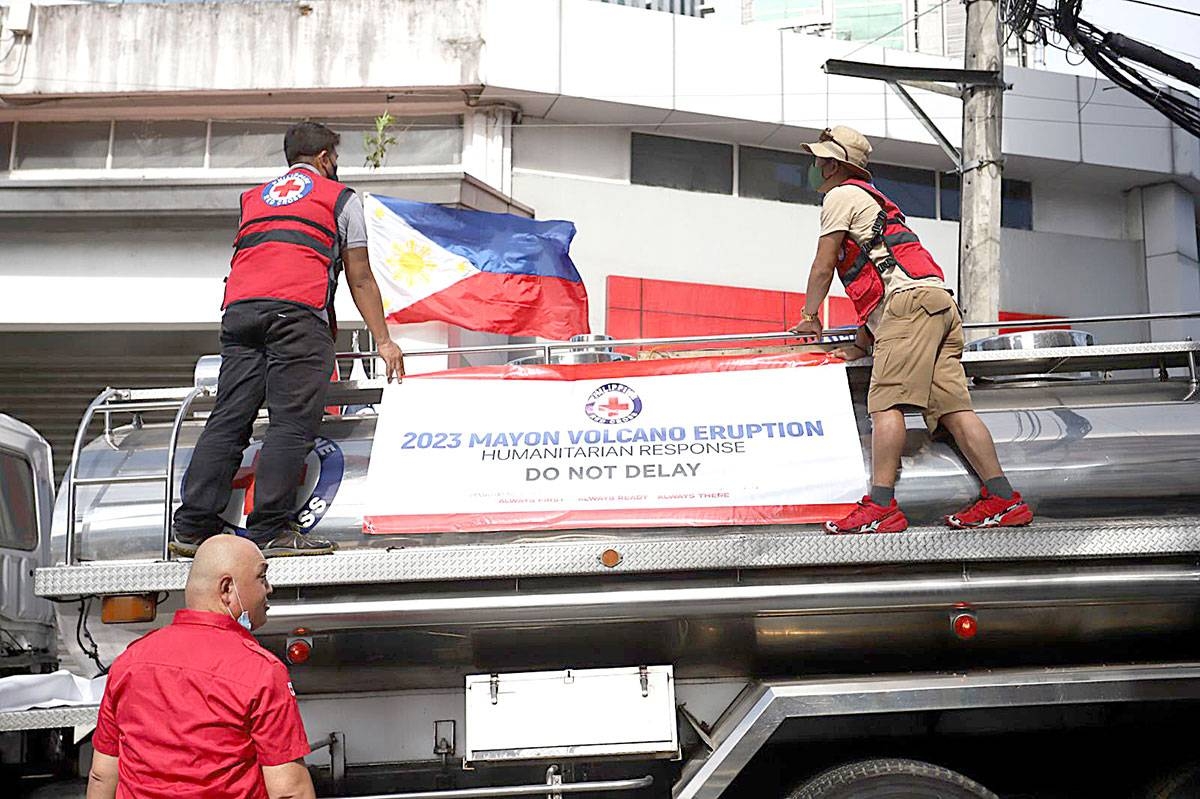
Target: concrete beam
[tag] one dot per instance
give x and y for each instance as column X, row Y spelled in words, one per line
column 57, row 198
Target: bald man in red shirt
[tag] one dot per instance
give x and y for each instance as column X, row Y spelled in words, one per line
column 198, row 708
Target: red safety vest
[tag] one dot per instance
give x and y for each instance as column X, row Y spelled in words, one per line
column 864, row 286
column 287, row 245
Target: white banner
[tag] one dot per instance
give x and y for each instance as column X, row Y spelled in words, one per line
column 674, row 442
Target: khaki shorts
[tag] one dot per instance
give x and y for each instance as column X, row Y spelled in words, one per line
column 918, row 356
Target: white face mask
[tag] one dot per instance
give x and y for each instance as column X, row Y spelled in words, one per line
column 244, row 618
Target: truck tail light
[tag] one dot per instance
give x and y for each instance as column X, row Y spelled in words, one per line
column 128, row 609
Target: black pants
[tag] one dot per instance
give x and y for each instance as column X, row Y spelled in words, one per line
column 271, row 351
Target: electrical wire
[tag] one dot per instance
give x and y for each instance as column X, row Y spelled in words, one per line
column 1033, row 23
column 91, row 649
column 1165, row 8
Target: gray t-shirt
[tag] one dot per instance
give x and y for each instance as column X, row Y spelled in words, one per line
column 351, row 224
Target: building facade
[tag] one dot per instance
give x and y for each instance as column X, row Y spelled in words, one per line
column 671, row 141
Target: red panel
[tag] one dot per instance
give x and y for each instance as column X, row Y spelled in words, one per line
column 1016, row 316
column 624, row 292
column 793, row 306
column 841, row 313
column 623, row 324
column 708, row 300
column 669, row 324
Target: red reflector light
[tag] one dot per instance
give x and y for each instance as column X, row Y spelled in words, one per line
column 298, row 651
column 965, row 625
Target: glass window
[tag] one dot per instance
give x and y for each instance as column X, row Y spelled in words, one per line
column 157, row 144
column 951, row 197
column 762, row 10
column 775, row 175
column 911, row 189
column 420, row 141
column 18, row 506
column 62, row 145
column 682, row 164
column 877, row 21
column 248, row 144
column 6, row 129
column 1016, row 209
column 1016, row 201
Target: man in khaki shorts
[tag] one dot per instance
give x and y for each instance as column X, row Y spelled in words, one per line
column 904, row 310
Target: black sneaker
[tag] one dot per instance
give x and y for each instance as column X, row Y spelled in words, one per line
column 292, row 541
column 185, row 544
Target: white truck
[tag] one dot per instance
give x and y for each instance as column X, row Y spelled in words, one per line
column 1057, row 660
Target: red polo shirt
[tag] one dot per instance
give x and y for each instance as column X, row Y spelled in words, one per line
column 196, row 709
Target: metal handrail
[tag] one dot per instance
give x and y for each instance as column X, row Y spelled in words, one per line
column 524, row 790
column 73, row 470
column 141, row 407
column 122, row 479
column 172, row 446
column 102, row 404
column 1090, row 320
column 833, row 335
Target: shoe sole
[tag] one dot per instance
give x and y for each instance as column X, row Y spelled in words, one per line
column 183, row 550
column 831, row 529
column 1014, row 517
column 297, row 553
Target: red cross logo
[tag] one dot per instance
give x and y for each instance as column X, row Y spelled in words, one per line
column 282, row 190
column 244, row 479
column 613, row 407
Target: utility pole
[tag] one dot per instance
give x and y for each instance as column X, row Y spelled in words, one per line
column 982, row 166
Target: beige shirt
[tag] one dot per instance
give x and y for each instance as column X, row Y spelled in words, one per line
column 852, row 210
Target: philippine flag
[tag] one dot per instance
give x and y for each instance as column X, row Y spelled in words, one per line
column 495, row 273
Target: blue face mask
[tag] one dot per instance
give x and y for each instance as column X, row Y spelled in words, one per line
column 243, row 618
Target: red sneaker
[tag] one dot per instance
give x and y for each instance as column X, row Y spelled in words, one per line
column 870, row 517
column 992, row 511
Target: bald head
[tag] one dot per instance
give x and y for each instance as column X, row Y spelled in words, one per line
column 228, row 575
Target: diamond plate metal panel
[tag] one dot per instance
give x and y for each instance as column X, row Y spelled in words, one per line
column 49, row 718
column 110, row 577
column 747, row 548
column 1096, row 351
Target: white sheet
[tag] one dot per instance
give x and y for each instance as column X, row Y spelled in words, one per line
column 60, row 689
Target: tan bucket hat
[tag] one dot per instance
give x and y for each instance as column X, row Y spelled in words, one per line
column 843, row 144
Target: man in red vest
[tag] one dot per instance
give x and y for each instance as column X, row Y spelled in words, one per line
column 295, row 234
column 906, row 313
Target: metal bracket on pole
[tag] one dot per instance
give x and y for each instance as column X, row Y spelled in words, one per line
column 965, row 78
column 950, row 82
column 949, row 149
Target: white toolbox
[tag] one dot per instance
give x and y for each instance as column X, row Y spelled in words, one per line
column 571, row 713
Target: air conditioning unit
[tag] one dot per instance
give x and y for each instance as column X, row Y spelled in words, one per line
column 19, row 18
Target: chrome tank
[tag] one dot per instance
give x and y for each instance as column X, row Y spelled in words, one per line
column 1072, row 448
column 1077, row 448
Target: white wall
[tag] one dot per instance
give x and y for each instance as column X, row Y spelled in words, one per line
column 567, row 60
column 246, row 46
column 666, row 234
column 1057, row 274
column 1079, row 261
column 675, row 70
column 602, row 153
column 114, row 274
column 103, row 272
column 1079, row 210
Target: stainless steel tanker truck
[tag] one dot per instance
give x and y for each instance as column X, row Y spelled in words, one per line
column 730, row 660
